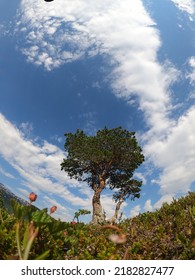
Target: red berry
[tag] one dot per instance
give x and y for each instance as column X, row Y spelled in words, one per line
column 32, row 196
column 53, row 209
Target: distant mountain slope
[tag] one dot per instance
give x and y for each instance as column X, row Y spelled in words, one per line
column 6, row 195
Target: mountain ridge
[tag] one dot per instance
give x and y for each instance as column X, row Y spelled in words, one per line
column 6, row 196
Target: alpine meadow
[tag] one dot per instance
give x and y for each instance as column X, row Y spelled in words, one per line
column 97, row 134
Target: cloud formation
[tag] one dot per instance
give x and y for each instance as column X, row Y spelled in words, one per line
column 191, row 74
column 175, row 155
column 135, row 211
column 148, row 205
column 127, row 37
column 6, row 174
column 39, row 165
column 187, row 6
column 122, row 31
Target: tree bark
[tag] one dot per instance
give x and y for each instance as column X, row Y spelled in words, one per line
column 98, row 215
column 115, row 216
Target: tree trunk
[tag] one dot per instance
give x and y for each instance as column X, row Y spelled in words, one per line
column 115, row 216
column 98, row 215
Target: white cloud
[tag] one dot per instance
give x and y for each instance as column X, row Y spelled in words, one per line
column 26, row 129
column 39, row 165
column 121, row 30
column 141, row 177
column 6, row 174
column 175, row 155
column 58, row 138
column 187, row 6
column 2, row 30
column 148, row 205
column 191, row 75
column 167, row 198
column 192, row 61
column 51, row 31
column 89, row 120
column 135, row 211
column 23, row 193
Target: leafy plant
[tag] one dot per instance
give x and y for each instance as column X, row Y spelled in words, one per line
column 168, row 233
column 79, row 213
column 29, row 236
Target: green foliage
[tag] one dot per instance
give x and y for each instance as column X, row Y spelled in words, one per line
column 7, row 234
column 110, row 152
column 168, row 233
column 79, row 213
column 28, row 239
column 107, row 159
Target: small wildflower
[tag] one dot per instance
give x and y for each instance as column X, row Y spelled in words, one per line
column 32, row 197
column 53, row 209
column 118, row 239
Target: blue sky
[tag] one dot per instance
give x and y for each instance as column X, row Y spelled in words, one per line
column 78, row 64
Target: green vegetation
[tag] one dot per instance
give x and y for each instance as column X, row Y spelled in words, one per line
column 168, row 233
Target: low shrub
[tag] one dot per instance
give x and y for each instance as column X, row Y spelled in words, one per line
column 166, row 234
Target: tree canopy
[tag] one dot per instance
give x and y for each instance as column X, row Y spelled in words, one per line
column 107, row 159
